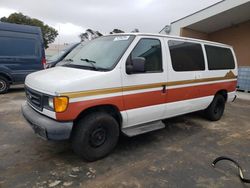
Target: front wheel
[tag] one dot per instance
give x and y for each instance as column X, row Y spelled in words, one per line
column 4, row 85
column 95, row 136
column 216, row 109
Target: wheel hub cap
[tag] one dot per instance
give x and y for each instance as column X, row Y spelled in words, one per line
column 98, row 137
column 2, row 85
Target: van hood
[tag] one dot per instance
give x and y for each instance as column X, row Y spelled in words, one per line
column 62, row 79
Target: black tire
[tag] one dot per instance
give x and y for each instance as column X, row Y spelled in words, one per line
column 95, row 136
column 4, row 85
column 216, row 109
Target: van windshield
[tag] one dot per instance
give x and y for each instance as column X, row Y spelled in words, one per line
column 101, row 54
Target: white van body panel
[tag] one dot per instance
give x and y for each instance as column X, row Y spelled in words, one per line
column 64, row 79
column 135, row 117
column 187, row 106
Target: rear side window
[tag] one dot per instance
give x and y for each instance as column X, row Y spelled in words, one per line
column 18, row 46
column 150, row 49
column 219, row 58
column 186, row 56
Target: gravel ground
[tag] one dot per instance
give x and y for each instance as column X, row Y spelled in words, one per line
column 178, row 156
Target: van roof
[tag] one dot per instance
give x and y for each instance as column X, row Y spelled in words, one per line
column 19, row 28
column 175, row 37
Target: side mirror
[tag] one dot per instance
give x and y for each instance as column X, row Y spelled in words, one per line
column 137, row 65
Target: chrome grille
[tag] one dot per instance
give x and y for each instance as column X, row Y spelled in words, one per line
column 34, row 98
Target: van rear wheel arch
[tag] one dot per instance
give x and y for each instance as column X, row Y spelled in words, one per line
column 7, row 77
column 216, row 109
column 223, row 93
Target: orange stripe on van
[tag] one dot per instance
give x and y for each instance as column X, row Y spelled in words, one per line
column 132, row 101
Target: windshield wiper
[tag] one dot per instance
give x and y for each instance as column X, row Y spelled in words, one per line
column 91, row 62
column 93, row 66
column 88, row 60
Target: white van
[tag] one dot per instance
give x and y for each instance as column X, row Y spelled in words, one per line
column 128, row 83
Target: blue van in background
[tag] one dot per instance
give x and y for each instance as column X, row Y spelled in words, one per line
column 21, row 53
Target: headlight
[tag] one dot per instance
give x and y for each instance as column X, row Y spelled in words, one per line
column 60, row 104
column 51, row 102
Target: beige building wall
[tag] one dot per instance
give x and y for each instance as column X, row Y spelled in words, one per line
column 186, row 32
column 237, row 36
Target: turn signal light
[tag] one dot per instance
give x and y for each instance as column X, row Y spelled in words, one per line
column 61, row 103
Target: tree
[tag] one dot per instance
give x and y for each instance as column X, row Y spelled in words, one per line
column 116, row 31
column 49, row 33
column 84, row 37
column 89, row 35
column 135, row 30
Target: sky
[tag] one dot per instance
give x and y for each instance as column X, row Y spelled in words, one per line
column 73, row 17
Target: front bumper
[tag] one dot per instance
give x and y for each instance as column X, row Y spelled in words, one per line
column 46, row 127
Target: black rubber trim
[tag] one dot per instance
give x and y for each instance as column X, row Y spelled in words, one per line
column 236, row 163
column 234, row 98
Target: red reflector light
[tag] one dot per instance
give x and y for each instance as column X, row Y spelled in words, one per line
column 44, row 62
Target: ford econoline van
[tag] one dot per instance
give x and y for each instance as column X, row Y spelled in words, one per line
column 127, row 84
column 21, row 53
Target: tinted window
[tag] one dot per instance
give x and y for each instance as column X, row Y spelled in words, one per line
column 186, row 56
column 150, row 49
column 219, row 58
column 17, row 47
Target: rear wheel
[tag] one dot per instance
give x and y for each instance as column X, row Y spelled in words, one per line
column 216, row 109
column 95, row 136
column 4, row 85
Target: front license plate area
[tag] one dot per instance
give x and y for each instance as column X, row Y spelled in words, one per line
column 39, row 131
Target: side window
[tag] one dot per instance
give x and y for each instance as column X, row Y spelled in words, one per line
column 150, row 49
column 17, row 46
column 219, row 58
column 186, row 56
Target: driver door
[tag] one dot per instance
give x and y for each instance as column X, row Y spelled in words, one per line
column 144, row 92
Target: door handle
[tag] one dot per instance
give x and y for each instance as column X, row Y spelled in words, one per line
column 163, row 88
column 198, row 76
